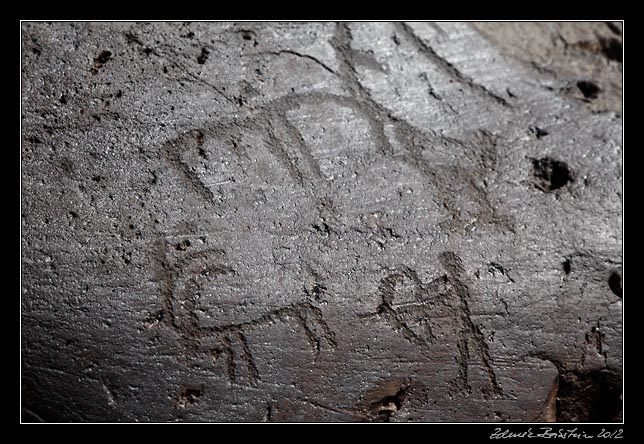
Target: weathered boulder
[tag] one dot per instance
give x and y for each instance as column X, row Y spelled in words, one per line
column 315, row 222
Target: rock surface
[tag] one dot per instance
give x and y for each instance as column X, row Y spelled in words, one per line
column 321, row 222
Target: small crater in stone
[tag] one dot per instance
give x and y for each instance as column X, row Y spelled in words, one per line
column 248, row 36
column 615, row 284
column 538, row 132
column 183, row 245
column 567, row 266
column 103, row 57
column 550, row 174
column 589, row 89
column 203, row 56
column 187, row 397
column 100, row 60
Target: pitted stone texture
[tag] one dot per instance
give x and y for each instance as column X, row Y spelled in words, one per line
column 312, row 222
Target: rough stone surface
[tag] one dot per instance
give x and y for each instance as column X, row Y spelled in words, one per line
column 320, row 222
column 580, row 60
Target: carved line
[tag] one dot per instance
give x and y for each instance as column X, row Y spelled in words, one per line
column 179, row 289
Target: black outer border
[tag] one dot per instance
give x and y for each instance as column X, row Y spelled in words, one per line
column 438, row 432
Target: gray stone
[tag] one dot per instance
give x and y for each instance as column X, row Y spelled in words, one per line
column 314, row 222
